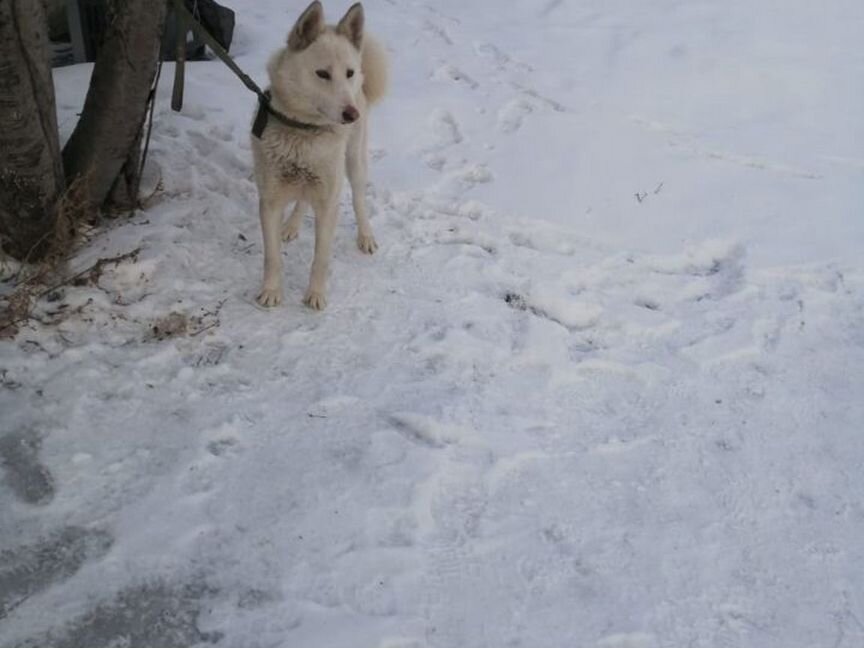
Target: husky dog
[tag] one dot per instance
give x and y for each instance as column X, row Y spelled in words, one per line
column 321, row 86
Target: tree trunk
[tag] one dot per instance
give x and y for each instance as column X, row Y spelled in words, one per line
column 123, row 195
column 31, row 171
column 106, row 137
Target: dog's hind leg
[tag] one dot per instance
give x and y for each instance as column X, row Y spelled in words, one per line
column 355, row 165
column 291, row 228
column 271, row 206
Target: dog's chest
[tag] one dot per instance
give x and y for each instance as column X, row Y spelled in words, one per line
column 293, row 172
column 289, row 164
column 299, row 160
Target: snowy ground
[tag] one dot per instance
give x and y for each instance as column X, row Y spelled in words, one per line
column 602, row 386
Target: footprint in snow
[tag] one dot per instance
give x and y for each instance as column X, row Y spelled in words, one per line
column 203, row 144
column 511, row 114
column 32, row 568
column 222, row 447
column 437, row 31
column 28, row 478
column 449, row 72
column 556, row 306
column 223, row 133
column 501, row 60
column 445, row 128
column 209, row 355
column 334, row 406
column 156, row 613
column 425, row 431
column 475, row 174
column 551, row 242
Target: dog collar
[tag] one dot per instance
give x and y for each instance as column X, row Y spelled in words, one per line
column 265, row 110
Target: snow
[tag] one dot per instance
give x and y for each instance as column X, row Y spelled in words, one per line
column 600, row 387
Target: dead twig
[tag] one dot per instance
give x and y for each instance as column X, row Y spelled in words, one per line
column 214, row 314
column 94, row 272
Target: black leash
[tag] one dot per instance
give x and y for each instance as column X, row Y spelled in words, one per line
column 265, row 109
column 151, row 108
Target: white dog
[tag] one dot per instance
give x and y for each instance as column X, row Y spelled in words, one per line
column 321, row 86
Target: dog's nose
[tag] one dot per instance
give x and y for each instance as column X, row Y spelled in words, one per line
column 350, row 115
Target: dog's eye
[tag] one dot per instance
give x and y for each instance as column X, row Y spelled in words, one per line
column 349, row 73
column 323, row 74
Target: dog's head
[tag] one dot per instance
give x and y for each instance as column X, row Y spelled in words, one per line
column 319, row 72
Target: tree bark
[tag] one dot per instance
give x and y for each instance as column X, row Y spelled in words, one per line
column 107, row 135
column 123, row 195
column 31, row 171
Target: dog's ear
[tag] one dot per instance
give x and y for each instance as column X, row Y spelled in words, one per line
column 351, row 25
column 307, row 28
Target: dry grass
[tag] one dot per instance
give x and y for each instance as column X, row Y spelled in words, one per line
column 176, row 324
column 19, row 304
column 74, row 223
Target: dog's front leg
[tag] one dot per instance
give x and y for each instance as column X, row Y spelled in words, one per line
column 271, row 222
column 355, row 163
column 326, row 213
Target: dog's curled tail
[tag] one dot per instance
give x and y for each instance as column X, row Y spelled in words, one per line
column 375, row 70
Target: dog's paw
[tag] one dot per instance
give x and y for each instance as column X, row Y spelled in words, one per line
column 290, row 232
column 366, row 243
column 315, row 300
column 270, row 297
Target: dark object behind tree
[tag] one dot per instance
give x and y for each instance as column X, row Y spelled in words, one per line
column 215, row 18
column 88, row 21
